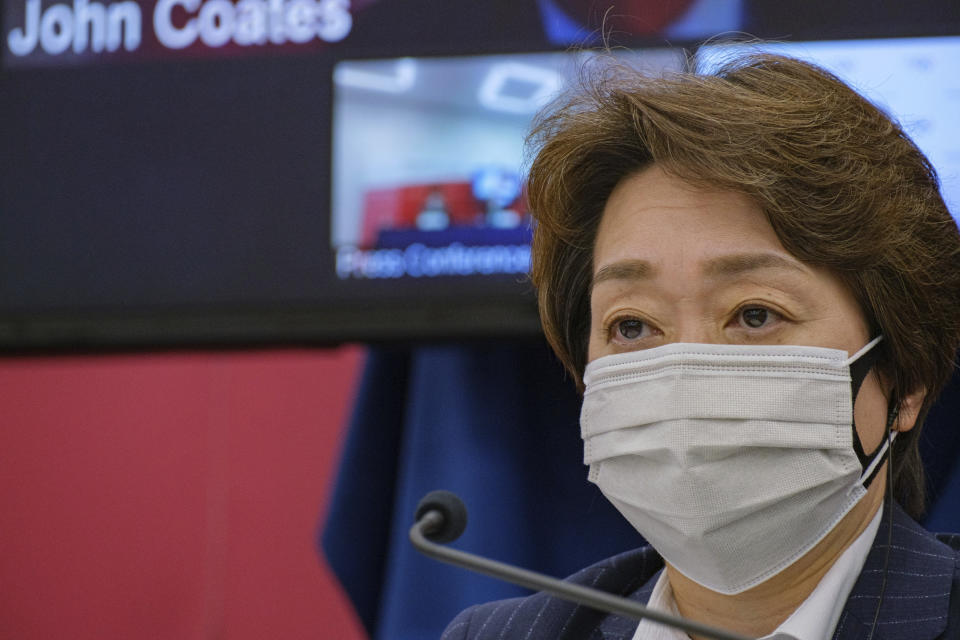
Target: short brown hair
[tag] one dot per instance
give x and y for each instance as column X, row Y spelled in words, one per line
column 841, row 184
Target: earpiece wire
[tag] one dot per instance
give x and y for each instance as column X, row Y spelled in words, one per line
column 888, row 490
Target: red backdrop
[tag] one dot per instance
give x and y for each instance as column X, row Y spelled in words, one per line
column 170, row 496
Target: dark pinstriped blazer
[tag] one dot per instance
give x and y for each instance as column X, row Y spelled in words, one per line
column 922, row 599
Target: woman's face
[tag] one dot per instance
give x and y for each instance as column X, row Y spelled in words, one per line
column 675, row 263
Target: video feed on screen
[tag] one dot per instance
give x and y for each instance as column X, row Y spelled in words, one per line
column 427, row 156
column 427, row 160
column 913, row 79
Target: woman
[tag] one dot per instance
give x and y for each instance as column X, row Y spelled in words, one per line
column 754, row 280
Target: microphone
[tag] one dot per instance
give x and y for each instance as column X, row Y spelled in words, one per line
column 441, row 517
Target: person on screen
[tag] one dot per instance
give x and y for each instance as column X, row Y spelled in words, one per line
column 753, row 279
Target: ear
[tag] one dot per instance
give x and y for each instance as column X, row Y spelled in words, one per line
column 909, row 410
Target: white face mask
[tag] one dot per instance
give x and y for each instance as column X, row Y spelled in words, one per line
column 732, row 461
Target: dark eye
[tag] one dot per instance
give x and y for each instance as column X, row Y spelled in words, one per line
column 630, row 329
column 755, row 317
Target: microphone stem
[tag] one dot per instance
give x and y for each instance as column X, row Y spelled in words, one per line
column 539, row 582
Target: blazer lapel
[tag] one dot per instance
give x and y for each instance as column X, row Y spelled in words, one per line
column 916, row 600
column 620, row 628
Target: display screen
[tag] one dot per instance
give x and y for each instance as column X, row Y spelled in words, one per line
column 442, row 195
column 914, row 80
column 428, row 158
column 236, row 172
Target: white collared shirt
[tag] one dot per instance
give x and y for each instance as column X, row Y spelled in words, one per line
column 814, row 619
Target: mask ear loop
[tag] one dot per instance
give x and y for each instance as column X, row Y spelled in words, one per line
column 888, row 491
column 860, row 364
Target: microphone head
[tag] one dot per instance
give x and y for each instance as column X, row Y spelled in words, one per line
column 454, row 513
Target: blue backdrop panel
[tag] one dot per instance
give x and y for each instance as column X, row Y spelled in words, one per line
column 498, row 424
column 940, row 450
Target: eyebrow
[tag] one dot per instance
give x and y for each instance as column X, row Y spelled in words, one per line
column 722, row 267
column 738, row 264
column 623, row 270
